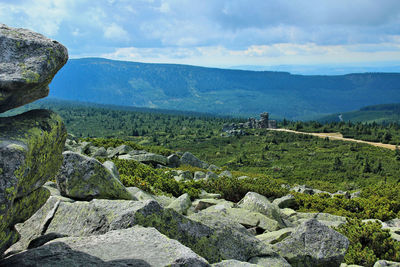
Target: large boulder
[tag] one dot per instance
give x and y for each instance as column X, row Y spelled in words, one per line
column 214, row 240
column 313, row 244
column 385, row 263
column 258, row 203
column 30, row 153
column 84, row 178
column 136, row 246
column 232, row 239
column 191, row 160
column 28, row 63
column 148, row 158
column 248, row 219
column 181, row 204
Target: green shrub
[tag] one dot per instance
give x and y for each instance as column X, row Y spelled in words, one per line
column 368, row 243
column 152, row 180
column 114, row 142
column 234, row 189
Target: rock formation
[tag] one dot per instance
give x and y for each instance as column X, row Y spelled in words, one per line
column 237, row 129
column 30, row 143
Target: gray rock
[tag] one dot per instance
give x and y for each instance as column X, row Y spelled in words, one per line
column 287, row 201
column 28, row 63
column 258, row 203
column 324, row 218
column 181, row 204
column 184, row 175
column 243, row 177
column 211, row 175
column 234, row 263
column 35, row 226
column 355, row 194
column 139, row 194
column 112, row 168
column 392, row 223
column 173, row 161
column 232, row 239
column 120, row 150
column 136, row 246
column 275, row 236
column 30, row 154
column 201, row 204
column 384, row 263
column 149, row 158
column 246, row 218
column 164, row 201
column 313, row 244
column 204, row 194
column 213, row 168
column 270, row 261
column 191, row 160
column 199, row 175
column 100, row 152
column 84, row 178
column 225, row 174
column 214, row 240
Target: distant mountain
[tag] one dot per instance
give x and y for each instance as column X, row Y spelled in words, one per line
column 221, row 91
column 378, row 113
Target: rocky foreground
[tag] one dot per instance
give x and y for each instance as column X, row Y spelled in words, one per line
column 87, row 217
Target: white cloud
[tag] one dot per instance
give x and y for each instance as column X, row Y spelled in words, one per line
column 116, row 33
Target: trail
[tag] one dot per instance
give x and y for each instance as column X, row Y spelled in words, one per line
column 338, row 136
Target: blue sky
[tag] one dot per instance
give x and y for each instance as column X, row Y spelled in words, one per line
column 218, row 32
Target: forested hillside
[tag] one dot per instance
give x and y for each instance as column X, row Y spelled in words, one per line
column 222, row 91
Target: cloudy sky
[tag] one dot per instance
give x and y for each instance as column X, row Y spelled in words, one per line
column 218, row 32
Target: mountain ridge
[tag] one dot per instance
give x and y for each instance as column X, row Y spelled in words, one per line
column 221, row 91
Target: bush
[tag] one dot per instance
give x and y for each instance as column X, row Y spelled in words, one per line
column 368, row 243
column 152, row 180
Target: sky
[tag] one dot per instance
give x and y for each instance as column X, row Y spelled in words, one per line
column 219, row 33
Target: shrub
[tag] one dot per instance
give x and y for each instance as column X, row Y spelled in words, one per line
column 368, row 243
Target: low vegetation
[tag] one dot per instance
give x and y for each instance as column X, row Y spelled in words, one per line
column 268, row 159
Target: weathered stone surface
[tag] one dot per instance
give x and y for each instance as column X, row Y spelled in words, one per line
column 201, row 204
column 112, row 168
column 225, row 174
column 287, row 201
column 270, row 261
column 181, row 204
column 30, row 153
column 191, row 160
column 246, row 218
column 215, row 241
column 173, row 161
column 206, row 195
column 28, row 63
column 139, row 194
column 384, row 263
column 275, row 236
column 234, row 263
column 36, row 225
column 258, row 203
column 120, row 150
column 313, row 244
column 325, row 218
column 149, row 158
column 232, row 239
column 136, row 246
column 84, row 178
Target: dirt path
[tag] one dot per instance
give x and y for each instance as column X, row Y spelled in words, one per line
column 338, row 136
